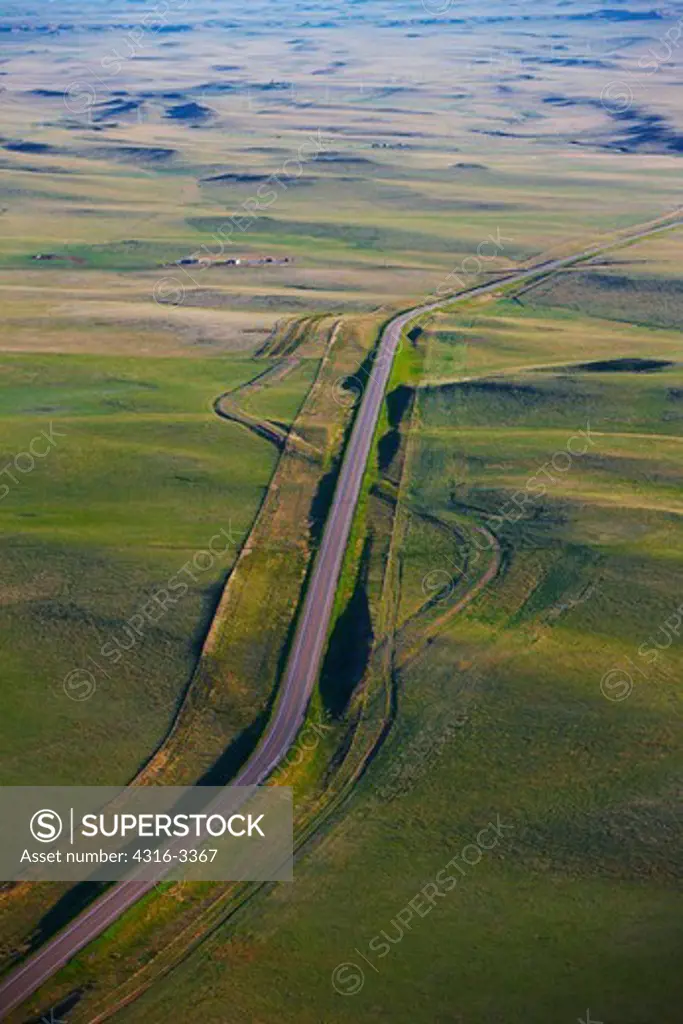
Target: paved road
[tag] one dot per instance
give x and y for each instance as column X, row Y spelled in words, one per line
column 309, row 641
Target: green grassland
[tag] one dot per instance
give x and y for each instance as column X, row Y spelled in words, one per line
column 503, row 714
column 133, row 487
column 503, row 335
column 642, row 286
column 461, row 136
column 143, row 476
column 282, row 403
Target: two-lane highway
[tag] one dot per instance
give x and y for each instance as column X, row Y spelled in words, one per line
column 304, row 661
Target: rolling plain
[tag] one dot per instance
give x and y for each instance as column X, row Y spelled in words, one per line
column 205, row 228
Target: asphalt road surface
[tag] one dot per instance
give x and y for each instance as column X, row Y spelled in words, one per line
column 310, row 638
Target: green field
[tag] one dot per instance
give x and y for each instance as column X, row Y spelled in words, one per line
column 133, row 487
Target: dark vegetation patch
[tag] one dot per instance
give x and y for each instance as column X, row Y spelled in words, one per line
column 387, row 449
column 645, row 132
column 616, row 14
column 495, row 133
column 552, row 401
column 28, row 147
column 234, row 178
column 654, row 302
column 168, row 29
column 626, row 365
column 135, row 154
column 269, row 150
column 114, row 108
column 527, row 393
column 173, row 95
column 320, row 505
column 67, row 907
column 562, row 101
column 398, row 403
column 215, row 88
column 272, row 86
column 636, row 130
column 566, row 62
column 331, row 67
column 64, row 1006
column 303, row 45
column 338, row 157
column 44, row 169
column 190, row 113
column 350, row 645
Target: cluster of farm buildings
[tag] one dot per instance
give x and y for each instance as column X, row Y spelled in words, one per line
column 234, row 261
